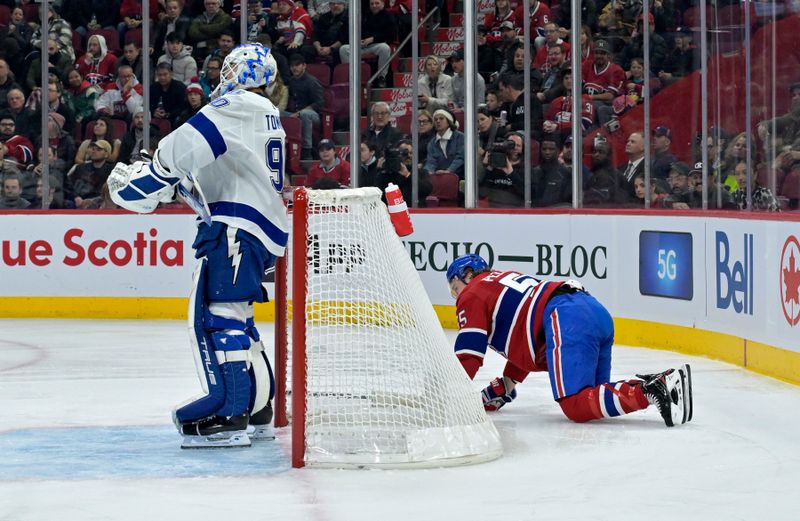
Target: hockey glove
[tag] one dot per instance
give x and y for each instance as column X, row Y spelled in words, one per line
column 495, row 395
column 141, row 186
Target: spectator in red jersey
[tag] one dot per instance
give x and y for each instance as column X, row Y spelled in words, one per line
column 206, row 28
column 603, row 81
column 558, row 119
column 494, row 21
column 98, row 65
column 293, row 27
column 330, row 166
column 551, row 37
column 540, row 16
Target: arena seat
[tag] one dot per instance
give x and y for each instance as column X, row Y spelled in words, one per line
column 320, row 71
column 112, row 39
column 445, row 188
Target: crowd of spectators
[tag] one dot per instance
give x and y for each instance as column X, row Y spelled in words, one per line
column 96, row 98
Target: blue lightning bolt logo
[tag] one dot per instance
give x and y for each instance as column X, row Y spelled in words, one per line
column 233, row 252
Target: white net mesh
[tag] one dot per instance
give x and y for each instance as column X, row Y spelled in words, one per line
column 383, row 385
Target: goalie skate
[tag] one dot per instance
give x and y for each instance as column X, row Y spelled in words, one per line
column 671, row 393
column 216, row 432
column 260, row 427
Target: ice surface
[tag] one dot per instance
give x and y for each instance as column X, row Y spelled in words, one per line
column 87, row 436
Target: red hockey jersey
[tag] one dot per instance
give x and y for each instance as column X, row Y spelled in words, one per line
column 503, row 310
column 19, row 149
column 539, row 17
column 560, row 112
column 608, row 79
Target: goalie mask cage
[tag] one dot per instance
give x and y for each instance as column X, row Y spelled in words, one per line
column 366, row 367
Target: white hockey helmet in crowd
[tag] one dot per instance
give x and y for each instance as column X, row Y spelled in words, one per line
column 248, row 66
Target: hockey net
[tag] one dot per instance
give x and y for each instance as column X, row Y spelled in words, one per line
column 366, row 373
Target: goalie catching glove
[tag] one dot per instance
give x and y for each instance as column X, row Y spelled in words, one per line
column 496, row 395
column 140, row 187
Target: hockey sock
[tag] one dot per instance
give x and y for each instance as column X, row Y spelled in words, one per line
column 604, row 401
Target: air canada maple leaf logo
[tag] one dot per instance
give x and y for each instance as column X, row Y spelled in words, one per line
column 790, row 280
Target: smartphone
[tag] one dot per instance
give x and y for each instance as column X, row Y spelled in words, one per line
column 503, row 118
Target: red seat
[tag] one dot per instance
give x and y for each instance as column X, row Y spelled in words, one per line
column 5, row 14
column 112, row 39
column 791, row 185
column 294, row 143
column 692, row 15
column 403, row 123
column 77, row 44
column 341, row 73
column 31, row 12
column 445, row 188
column 134, row 35
column 118, row 129
column 320, row 71
column 164, row 126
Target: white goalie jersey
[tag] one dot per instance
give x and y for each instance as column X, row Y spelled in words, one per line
column 234, row 149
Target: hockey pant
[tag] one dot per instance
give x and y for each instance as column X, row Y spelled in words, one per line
column 579, row 333
column 232, row 366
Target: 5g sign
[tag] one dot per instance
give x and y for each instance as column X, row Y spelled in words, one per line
column 665, row 265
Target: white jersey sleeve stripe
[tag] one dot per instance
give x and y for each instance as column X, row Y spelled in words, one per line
column 210, row 132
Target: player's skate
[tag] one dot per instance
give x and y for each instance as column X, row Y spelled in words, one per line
column 671, row 393
column 216, row 432
column 260, row 427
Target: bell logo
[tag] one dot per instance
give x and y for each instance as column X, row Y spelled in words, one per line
column 735, row 272
column 790, row 280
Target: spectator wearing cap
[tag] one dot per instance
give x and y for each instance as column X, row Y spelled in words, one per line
column 59, row 140
column 206, row 28
column 500, row 20
column 680, row 191
column 195, row 100
column 378, row 29
column 179, row 56
column 786, row 126
column 490, row 59
column 122, row 97
column 459, row 82
column 380, row 130
column 305, row 101
column 635, row 46
column 446, row 150
column 508, row 43
column 331, row 32
column 681, row 61
column 434, row 88
column 718, row 197
column 551, row 39
column 167, row 95
column 12, row 194
column 602, row 188
column 602, row 80
column 87, row 180
column 330, row 166
column 662, row 157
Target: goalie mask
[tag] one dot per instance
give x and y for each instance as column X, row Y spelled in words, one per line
column 460, row 265
column 247, row 66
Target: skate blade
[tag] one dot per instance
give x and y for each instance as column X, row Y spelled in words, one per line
column 260, row 432
column 687, row 394
column 234, row 439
